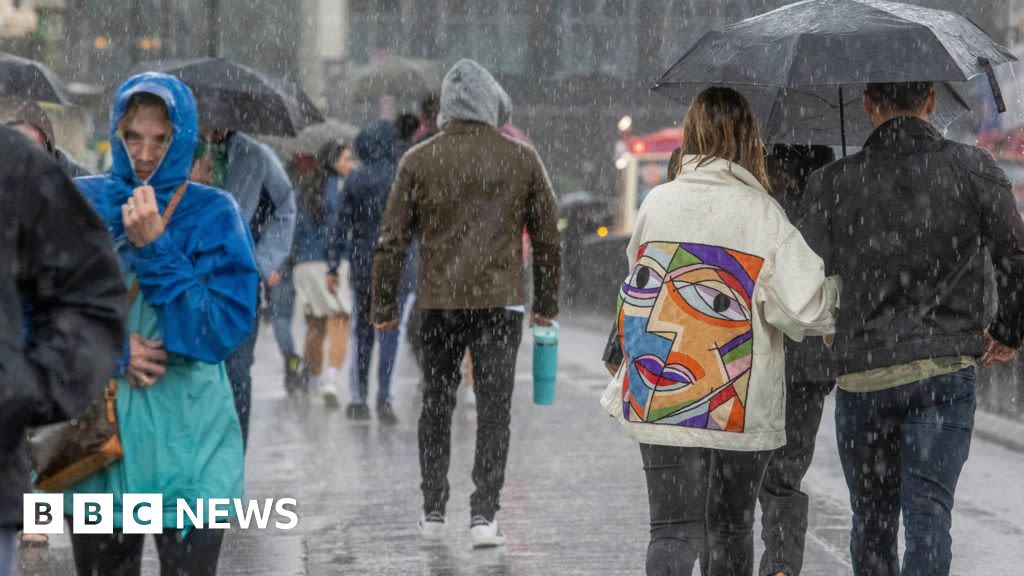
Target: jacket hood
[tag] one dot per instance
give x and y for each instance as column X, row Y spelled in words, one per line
column 470, row 92
column 376, row 143
column 181, row 109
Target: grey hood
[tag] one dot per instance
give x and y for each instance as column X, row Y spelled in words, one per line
column 469, row 92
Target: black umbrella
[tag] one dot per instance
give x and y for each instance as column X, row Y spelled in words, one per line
column 809, row 51
column 26, row 79
column 233, row 96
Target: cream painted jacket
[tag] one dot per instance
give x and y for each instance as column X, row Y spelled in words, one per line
column 717, row 275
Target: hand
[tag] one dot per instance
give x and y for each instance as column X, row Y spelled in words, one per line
column 202, row 171
column 274, row 280
column 148, row 361
column 333, row 283
column 538, row 320
column 387, row 326
column 995, row 351
column 142, row 221
column 612, row 368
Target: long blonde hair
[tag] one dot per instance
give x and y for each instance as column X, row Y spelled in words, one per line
column 720, row 124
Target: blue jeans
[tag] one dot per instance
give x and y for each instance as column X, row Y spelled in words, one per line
column 8, row 552
column 365, row 334
column 902, row 449
column 239, row 368
column 282, row 304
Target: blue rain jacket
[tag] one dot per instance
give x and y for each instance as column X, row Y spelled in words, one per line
column 198, row 286
column 363, row 199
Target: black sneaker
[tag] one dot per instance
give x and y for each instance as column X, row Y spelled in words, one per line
column 357, row 412
column 386, row 414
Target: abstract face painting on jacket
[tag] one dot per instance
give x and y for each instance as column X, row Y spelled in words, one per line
column 685, row 326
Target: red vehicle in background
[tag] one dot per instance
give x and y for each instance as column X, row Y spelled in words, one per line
column 641, row 162
column 1007, row 147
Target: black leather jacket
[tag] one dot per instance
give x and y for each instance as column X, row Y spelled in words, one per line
column 905, row 223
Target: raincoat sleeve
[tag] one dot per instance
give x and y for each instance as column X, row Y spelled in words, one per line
column 545, row 241
column 69, row 281
column 1003, row 235
column 275, row 242
column 205, row 299
column 794, row 295
column 396, row 233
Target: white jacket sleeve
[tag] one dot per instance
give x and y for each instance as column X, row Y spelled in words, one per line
column 795, row 296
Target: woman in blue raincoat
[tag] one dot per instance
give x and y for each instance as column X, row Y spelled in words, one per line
column 196, row 301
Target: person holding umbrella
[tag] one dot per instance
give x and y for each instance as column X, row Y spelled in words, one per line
column 908, row 221
column 717, row 276
column 253, row 175
column 31, row 120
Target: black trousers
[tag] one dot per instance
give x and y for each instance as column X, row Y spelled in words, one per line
column 492, row 336
column 783, row 505
column 120, row 554
column 702, row 505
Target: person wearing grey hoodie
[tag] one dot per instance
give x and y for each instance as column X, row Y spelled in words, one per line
column 466, row 195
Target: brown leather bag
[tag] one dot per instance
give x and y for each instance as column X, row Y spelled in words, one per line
column 65, row 453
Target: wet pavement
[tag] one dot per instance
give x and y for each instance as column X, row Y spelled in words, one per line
column 574, row 500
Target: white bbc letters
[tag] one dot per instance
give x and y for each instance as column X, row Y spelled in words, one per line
column 43, row 513
column 143, row 513
column 93, row 514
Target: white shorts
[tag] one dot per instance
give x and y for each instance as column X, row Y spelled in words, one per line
column 311, row 294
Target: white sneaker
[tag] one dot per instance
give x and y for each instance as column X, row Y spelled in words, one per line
column 485, row 534
column 330, row 394
column 432, row 526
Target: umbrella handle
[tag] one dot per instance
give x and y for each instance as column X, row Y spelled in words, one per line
column 997, row 93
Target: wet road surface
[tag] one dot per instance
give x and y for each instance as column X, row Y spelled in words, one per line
column 574, row 501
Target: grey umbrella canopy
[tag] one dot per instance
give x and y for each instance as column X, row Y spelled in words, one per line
column 26, row 79
column 232, row 96
column 812, row 52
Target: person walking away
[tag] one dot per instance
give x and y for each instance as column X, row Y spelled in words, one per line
column 907, row 220
column 196, row 297
column 362, row 207
column 33, row 122
column 810, row 377
column 326, row 311
column 466, row 196
column 252, row 174
column 57, row 264
column 717, row 275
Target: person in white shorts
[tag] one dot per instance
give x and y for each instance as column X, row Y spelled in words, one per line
column 326, row 306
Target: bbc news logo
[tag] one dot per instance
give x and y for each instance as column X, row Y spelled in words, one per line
column 144, row 513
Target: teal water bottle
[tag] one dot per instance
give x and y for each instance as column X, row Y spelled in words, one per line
column 545, row 363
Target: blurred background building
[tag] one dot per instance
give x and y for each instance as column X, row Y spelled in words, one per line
column 572, row 67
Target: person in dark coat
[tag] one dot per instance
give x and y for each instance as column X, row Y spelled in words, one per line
column 56, row 262
column 360, row 215
column 810, row 377
column 906, row 223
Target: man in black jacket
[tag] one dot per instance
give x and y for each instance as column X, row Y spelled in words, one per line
column 906, row 222
column 62, row 304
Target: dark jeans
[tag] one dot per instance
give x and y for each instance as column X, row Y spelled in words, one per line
column 239, row 368
column 365, row 336
column 902, row 450
column 701, row 497
column 783, row 505
column 120, row 554
column 492, row 336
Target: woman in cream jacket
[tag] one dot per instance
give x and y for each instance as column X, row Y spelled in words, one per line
column 717, row 276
